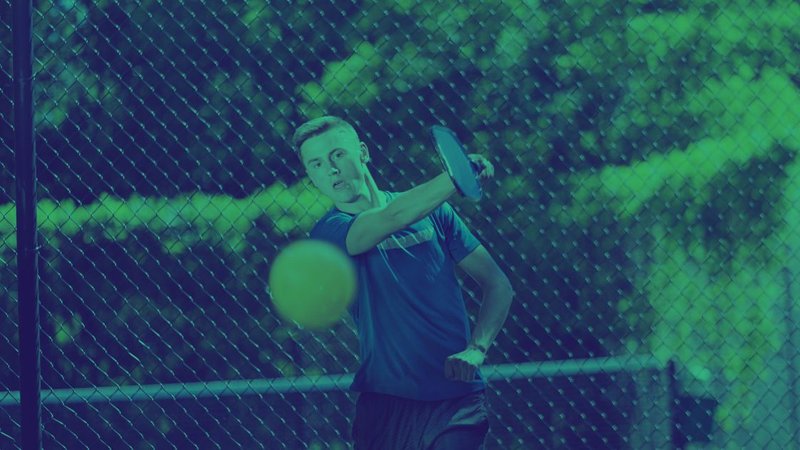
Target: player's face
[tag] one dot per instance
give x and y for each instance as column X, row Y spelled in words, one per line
column 335, row 163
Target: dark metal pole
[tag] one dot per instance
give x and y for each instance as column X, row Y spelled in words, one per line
column 672, row 395
column 790, row 353
column 27, row 248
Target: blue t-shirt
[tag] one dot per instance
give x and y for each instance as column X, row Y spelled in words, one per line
column 409, row 311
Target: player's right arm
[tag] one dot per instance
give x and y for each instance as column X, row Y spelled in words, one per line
column 374, row 225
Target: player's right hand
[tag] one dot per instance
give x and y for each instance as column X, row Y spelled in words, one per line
column 483, row 168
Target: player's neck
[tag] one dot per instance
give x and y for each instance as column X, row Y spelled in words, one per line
column 363, row 203
column 371, row 197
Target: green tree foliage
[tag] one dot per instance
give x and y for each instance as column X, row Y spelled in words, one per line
column 646, row 197
column 708, row 220
column 152, row 290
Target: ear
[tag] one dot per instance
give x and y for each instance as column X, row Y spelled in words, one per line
column 364, row 153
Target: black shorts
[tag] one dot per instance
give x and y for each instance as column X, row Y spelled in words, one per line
column 385, row 422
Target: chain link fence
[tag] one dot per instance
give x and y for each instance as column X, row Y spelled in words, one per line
column 646, row 206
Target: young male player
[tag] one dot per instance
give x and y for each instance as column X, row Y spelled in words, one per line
column 418, row 380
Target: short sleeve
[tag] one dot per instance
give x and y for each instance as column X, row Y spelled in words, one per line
column 333, row 228
column 459, row 239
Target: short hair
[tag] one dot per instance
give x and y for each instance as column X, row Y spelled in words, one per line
column 315, row 127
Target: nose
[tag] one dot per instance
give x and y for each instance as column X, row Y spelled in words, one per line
column 334, row 169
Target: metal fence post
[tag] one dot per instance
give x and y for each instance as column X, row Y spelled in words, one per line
column 27, row 248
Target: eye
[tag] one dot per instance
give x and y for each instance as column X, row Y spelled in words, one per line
column 338, row 154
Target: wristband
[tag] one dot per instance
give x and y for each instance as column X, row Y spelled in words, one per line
column 479, row 347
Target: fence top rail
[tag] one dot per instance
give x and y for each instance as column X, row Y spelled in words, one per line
column 324, row 383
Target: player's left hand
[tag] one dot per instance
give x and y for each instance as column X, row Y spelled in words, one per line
column 462, row 366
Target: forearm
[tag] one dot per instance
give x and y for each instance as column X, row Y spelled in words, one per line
column 493, row 313
column 416, row 203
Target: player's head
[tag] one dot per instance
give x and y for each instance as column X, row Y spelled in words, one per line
column 334, row 158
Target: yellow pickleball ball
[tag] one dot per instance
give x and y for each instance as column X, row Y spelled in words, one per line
column 312, row 283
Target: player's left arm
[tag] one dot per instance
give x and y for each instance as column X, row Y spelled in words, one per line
column 497, row 296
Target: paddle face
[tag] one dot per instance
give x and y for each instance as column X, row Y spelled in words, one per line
column 456, row 162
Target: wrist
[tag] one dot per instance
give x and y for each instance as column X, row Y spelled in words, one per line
column 481, row 348
column 449, row 183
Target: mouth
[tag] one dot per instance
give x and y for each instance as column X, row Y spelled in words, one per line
column 338, row 185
